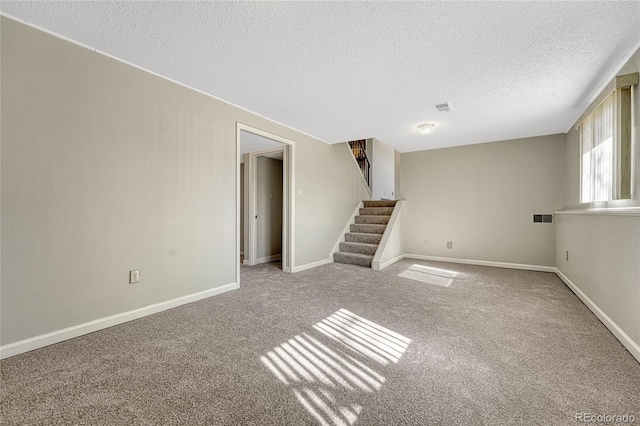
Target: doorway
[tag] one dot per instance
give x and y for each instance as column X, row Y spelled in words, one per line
column 264, row 198
column 264, row 207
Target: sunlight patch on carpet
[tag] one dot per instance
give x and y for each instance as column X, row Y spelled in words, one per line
column 319, row 373
column 429, row 275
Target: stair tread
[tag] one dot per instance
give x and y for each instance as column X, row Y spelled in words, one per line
column 355, row 255
column 367, row 228
column 361, row 237
column 358, row 247
column 372, row 220
column 379, row 203
column 375, row 211
column 353, row 259
column 361, row 244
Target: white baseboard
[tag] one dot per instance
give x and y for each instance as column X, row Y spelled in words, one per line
column 391, row 261
column 268, row 259
column 58, row 336
column 311, row 265
column 628, row 343
column 482, row 263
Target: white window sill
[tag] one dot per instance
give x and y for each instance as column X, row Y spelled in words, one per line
column 629, row 210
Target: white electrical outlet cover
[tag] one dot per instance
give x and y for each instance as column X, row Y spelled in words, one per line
column 134, row 276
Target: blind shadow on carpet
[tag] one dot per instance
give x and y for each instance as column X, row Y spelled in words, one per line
column 333, row 366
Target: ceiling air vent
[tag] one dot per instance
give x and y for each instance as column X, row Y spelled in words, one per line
column 446, row 107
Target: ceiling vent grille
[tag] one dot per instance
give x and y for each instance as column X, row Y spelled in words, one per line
column 446, row 107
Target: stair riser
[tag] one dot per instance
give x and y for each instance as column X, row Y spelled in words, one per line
column 379, row 203
column 376, row 211
column 374, row 220
column 363, row 238
column 344, row 258
column 348, row 247
column 368, row 229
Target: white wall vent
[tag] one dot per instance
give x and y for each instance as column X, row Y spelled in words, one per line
column 446, row 107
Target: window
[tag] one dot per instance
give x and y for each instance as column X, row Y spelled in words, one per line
column 606, row 144
column 597, row 137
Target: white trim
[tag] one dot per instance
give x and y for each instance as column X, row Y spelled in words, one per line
column 238, row 210
column 391, row 261
column 364, row 181
column 609, row 211
column 289, row 234
column 382, row 246
column 483, row 263
column 288, row 195
column 628, row 343
column 250, row 170
column 352, row 220
column 268, row 259
column 100, row 52
column 634, row 143
column 58, row 336
column 252, row 207
column 311, row 265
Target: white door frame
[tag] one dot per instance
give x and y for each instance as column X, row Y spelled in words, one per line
column 251, row 219
column 288, row 198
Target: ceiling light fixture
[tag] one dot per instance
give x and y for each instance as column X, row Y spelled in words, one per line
column 426, row 128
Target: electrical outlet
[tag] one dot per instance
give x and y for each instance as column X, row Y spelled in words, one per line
column 449, row 245
column 566, row 256
column 134, row 276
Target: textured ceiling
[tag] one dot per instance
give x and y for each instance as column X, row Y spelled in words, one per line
column 351, row 70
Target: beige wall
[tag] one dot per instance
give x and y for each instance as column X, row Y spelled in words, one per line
column 269, row 208
column 383, row 160
column 633, row 65
column 107, row 168
column 328, row 186
column 392, row 240
column 572, row 168
column 482, row 198
column 572, row 165
column 603, row 248
column 603, row 263
column 397, row 158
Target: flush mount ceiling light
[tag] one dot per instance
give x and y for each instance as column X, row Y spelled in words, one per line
column 425, row 128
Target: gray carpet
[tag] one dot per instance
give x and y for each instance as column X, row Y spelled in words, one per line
column 339, row 345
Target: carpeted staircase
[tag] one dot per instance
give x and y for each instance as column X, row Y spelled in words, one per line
column 362, row 242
